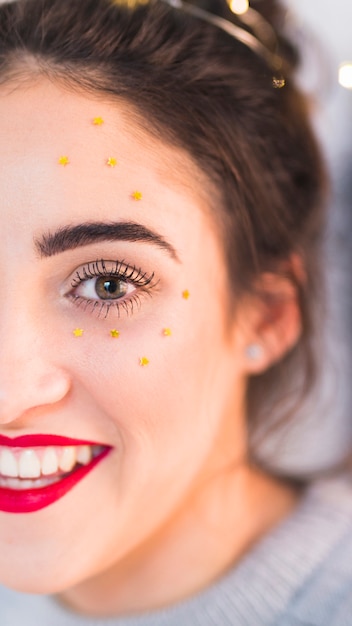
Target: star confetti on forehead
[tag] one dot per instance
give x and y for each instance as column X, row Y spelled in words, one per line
column 137, row 195
column 78, row 332
column 111, row 162
column 98, row 121
column 185, row 294
column 63, row 160
column 143, row 361
column 167, row 332
column 114, row 333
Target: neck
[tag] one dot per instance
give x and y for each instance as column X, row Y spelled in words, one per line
column 198, row 545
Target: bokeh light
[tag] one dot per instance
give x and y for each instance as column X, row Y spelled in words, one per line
column 239, row 6
column 345, row 75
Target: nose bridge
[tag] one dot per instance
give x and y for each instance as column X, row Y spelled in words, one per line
column 29, row 375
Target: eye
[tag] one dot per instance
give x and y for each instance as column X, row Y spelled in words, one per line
column 104, row 285
column 104, row 288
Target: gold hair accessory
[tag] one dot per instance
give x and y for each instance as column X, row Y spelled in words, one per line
column 167, row 332
column 63, row 160
column 137, row 195
column 114, row 333
column 263, row 42
column 98, row 121
column 78, row 332
column 143, row 361
column 111, row 162
column 186, row 294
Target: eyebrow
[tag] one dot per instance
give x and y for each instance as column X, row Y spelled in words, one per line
column 71, row 237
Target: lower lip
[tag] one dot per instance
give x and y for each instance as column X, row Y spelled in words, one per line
column 31, row 500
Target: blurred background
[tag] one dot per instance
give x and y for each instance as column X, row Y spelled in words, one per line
column 323, row 432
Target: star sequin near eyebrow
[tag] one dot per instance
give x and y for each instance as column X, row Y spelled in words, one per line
column 111, row 162
column 114, row 333
column 185, row 294
column 63, row 160
column 78, row 332
column 98, row 121
column 137, row 195
column 143, row 361
column 167, row 332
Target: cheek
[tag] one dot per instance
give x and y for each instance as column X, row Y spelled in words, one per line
column 158, row 410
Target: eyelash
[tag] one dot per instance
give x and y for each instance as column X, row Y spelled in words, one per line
column 119, row 270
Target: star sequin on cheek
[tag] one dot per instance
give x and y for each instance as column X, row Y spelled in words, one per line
column 143, row 361
column 185, row 294
column 137, row 195
column 98, row 121
column 114, row 333
column 63, row 160
column 167, row 332
column 78, row 332
column 111, row 162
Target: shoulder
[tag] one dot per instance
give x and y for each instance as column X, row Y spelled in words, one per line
column 322, row 539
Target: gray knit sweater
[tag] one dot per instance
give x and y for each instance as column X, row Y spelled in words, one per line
column 300, row 574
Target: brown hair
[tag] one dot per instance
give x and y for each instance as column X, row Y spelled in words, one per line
column 199, row 88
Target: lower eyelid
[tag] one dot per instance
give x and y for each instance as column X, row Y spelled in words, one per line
column 102, row 308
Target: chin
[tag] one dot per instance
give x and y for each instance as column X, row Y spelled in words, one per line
column 34, row 581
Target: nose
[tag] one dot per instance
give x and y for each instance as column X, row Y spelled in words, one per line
column 29, row 376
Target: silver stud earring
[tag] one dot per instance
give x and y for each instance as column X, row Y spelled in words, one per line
column 254, row 351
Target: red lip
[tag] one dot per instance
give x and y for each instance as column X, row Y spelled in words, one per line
column 31, row 500
column 27, row 441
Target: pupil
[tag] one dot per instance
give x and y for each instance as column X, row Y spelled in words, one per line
column 110, row 288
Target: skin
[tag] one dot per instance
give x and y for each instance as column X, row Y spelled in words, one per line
column 176, row 502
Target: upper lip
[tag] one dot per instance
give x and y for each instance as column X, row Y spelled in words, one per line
column 25, row 441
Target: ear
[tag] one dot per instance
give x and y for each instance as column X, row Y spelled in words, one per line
column 269, row 324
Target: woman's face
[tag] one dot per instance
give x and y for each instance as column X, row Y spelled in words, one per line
column 170, row 420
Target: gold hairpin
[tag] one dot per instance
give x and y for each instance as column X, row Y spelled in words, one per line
column 263, row 42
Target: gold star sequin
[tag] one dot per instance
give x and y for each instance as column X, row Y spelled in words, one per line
column 63, row 160
column 98, row 121
column 167, row 332
column 111, row 162
column 185, row 294
column 78, row 332
column 114, row 333
column 143, row 361
column 137, row 195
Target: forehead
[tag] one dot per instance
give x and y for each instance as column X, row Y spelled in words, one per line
column 104, row 165
column 42, row 121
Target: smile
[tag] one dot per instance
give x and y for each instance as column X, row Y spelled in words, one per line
column 38, row 470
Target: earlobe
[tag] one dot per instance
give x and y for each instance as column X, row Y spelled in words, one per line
column 271, row 324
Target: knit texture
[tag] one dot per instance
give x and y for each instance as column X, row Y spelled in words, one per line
column 298, row 575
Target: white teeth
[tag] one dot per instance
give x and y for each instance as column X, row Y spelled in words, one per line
column 29, row 465
column 49, row 463
column 84, row 455
column 8, row 463
column 68, row 458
